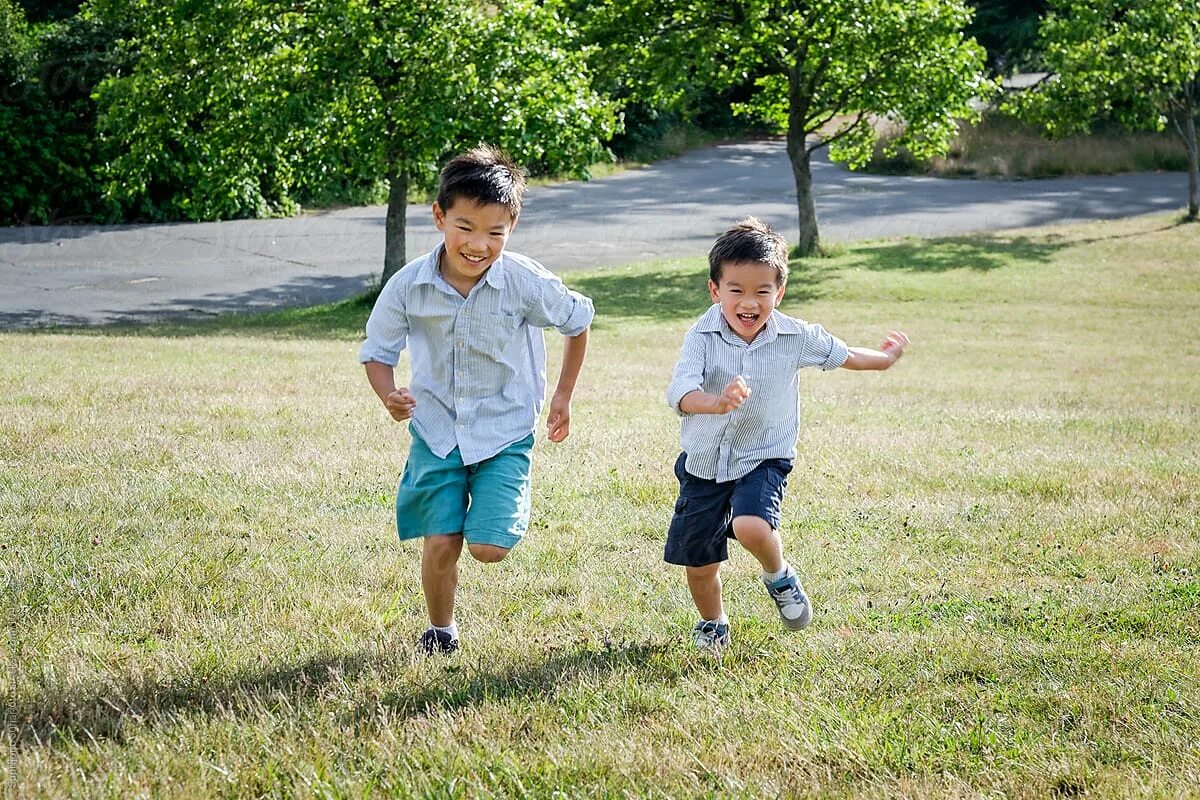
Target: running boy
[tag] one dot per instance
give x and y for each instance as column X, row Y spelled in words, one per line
column 736, row 388
column 472, row 316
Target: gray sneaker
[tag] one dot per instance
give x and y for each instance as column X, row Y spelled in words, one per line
column 792, row 602
column 710, row 635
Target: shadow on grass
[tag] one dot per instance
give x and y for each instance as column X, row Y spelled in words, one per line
column 344, row 319
column 672, row 294
column 458, row 689
column 106, row 715
column 982, row 253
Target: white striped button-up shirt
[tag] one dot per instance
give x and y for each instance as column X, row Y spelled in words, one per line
column 478, row 362
column 724, row 447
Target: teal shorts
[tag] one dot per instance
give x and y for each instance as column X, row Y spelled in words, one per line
column 488, row 502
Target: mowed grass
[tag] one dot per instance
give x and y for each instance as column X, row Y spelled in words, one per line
column 205, row 597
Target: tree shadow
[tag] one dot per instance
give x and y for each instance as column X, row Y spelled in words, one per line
column 671, row 294
column 342, row 319
column 977, row 253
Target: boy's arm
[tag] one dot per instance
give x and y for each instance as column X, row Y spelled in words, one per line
column 698, row 402
column 398, row 402
column 864, row 358
column 558, row 422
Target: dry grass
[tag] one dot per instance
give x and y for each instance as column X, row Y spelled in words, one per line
column 1000, row 146
column 205, row 597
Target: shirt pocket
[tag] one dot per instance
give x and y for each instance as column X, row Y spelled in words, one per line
column 496, row 334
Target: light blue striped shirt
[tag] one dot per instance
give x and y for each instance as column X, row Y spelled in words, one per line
column 478, row 362
column 724, row 447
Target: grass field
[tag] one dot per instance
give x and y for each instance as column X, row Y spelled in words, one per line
column 205, row 598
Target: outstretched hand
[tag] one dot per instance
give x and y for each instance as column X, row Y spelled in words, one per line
column 894, row 344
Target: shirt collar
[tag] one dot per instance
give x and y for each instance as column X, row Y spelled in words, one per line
column 713, row 321
column 429, row 272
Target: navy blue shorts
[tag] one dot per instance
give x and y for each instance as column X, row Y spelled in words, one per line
column 703, row 523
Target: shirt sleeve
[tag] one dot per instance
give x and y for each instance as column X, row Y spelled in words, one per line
column 387, row 328
column 556, row 306
column 821, row 348
column 689, row 370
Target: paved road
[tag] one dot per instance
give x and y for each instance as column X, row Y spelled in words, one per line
column 92, row 274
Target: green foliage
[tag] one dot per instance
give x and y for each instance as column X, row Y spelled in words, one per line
column 827, row 67
column 1137, row 63
column 47, row 116
column 1008, row 29
column 239, row 107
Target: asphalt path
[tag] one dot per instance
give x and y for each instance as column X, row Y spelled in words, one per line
column 89, row 275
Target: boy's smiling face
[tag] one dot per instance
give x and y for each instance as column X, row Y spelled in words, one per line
column 747, row 295
column 475, row 235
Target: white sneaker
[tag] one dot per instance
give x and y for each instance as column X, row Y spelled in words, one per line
column 792, row 602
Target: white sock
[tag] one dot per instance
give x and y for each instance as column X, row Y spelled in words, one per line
column 451, row 629
column 721, row 620
column 771, row 577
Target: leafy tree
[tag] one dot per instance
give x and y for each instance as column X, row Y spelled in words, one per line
column 43, row 10
column 235, row 105
column 1008, row 30
column 827, row 71
column 47, row 115
column 1133, row 61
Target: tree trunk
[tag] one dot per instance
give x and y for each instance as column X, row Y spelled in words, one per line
column 809, row 241
column 394, row 229
column 799, row 100
column 1193, row 151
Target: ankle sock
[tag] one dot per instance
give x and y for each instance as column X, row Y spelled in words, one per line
column 771, row 577
column 721, row 620
column 451, row 629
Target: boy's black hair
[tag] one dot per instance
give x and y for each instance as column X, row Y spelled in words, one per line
column 483, row 175
column 749, row 239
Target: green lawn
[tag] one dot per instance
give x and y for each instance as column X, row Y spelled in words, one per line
column 205, row 596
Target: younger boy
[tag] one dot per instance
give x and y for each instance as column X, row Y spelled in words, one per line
column 736, row 388
column 472, row 316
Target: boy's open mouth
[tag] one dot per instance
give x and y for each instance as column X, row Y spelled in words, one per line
column 748, row 319
column 473, row 259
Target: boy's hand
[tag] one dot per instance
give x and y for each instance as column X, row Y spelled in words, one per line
column 558, row 421
column 400, row 404
column 733, row 396
column 894, row 345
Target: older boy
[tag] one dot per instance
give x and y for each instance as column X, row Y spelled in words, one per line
column 472, row 316
column 736, row 388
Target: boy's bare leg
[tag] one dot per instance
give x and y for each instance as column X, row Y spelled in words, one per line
column 705, row 585
column 439, row 575
column 763, row 542
column 487, row 553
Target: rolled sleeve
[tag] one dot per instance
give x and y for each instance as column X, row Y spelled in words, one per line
column 558, row 307
column 387, row 331
column 580, row 317
column 822, row 349
column 689, row 371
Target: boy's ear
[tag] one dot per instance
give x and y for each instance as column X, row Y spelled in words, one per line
column 513, row 227
column 779, row 297
column 712, row 291
column 439, row 216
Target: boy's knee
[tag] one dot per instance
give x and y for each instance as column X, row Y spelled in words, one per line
column 487, row 553
column 707, row 571
column 754, row 527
